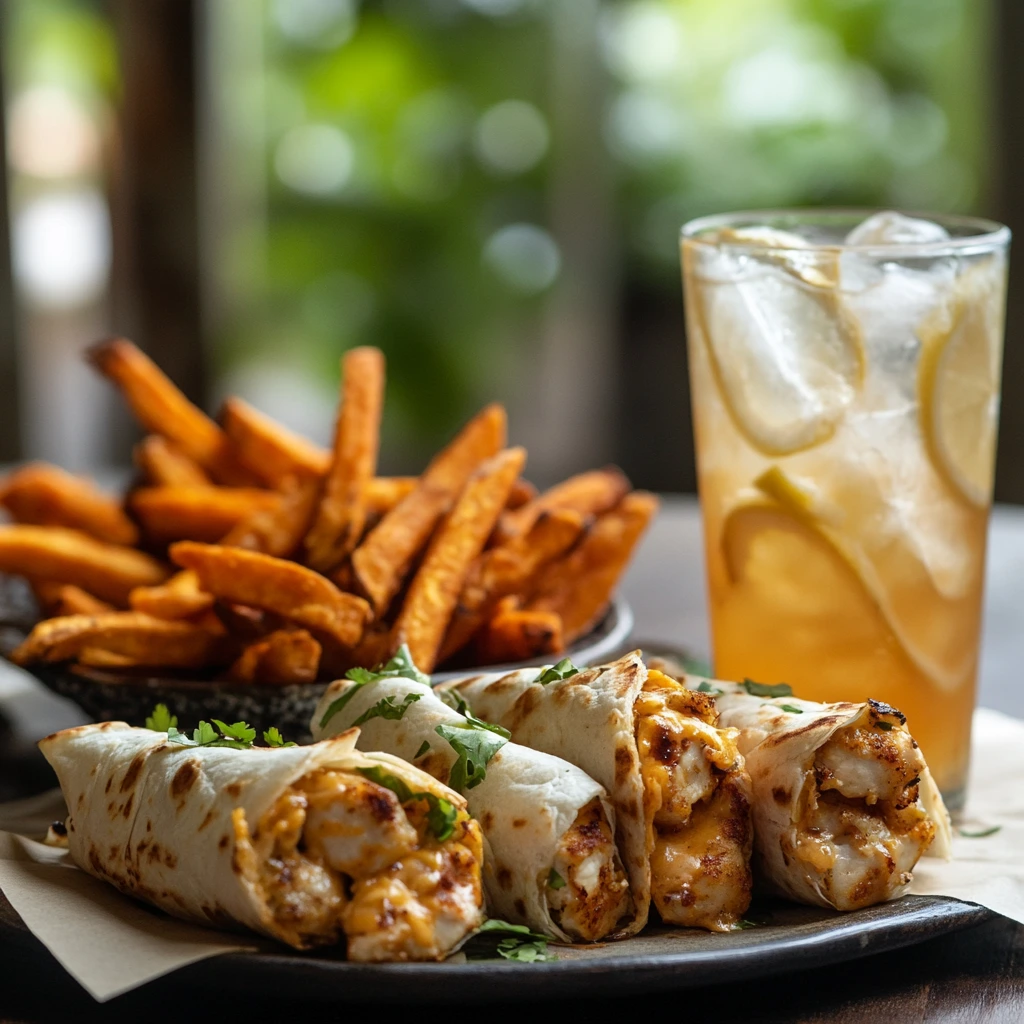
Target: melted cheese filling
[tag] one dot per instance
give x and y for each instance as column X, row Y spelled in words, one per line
column 694, row 788
column 595, row 896
column 338, row 853
column 863, row 829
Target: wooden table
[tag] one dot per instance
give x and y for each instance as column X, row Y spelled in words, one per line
column 977, row 975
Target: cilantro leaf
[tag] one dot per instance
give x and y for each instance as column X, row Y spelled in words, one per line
column 741, row 925
column 442, row 814
column 884, row 726
column 981, row 833
column 791, row 708
column 387, row 708
column 452, row 699
column 706, row 687
column 240, row 731
column 767, row 689
column 509, row 941
column 400, row 666
column 475, row 743
column 564, row 669
column 273, row 738
column 239, row 736
column 161, row 720
column 555, row 880
column 424, row 747
column 694, row 666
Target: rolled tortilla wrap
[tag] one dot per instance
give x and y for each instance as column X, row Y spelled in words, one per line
column 676, row 781
column 308, row 845
column 551, row 861
column 844, row 803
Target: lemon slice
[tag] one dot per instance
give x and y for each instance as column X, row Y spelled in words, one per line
column 816, row 568
column 786, row 353
column 958, row 381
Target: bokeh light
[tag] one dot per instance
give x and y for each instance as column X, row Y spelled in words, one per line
column 315, row 159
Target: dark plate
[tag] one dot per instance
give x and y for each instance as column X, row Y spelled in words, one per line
column 790, row 939
column 120, row 696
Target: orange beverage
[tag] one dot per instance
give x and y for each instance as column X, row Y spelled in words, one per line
column 845, row 378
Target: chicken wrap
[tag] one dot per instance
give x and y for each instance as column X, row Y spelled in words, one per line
column 550, row 857
column 309, row 845
column 844, row 803
column 677, row 782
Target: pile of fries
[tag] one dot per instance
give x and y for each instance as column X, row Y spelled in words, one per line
column 249, row 553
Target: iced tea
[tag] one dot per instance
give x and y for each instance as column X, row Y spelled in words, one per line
column 845, row 378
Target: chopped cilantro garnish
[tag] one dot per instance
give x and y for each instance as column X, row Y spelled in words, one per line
column 476, row 743
column 239, row 735
column 388, row 708
column 555, row 880
column 424, row 747
column 884, row 726
column 273, row 738
column 791, row 708
column 400, row 666
column 161, row 720
column 767, row 689
column 510, row 941
column 706, row 687
column 981, row 833
column 553, row 673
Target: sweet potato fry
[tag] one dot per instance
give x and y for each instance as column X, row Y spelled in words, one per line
column 278, row 531
column 247, row 623
column 438, row 582
column 68, row 556
column 179, row 598
column 383, row 493
column 383, row 558
column 507, row 570
column 281, row 658
column 131, row 635
column 42, row 495
column 164, row 464
column 292, row 591
column 58, row 599
column 519, row 635
column 579, row 586
column 162, row 409
column 196, row 513
column 341, row 514
column 590, row 494
column 522, row 492
column 269, row 449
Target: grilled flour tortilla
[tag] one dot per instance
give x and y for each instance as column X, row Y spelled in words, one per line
column 677, row 782
column 844, row 803
column 551, row 861
column 305, row 844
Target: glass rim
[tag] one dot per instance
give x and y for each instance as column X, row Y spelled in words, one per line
column 983, row 235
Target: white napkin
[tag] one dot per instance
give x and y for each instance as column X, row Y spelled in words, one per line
column 986, row 869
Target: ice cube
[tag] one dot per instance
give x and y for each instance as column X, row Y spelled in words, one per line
column 891, row 228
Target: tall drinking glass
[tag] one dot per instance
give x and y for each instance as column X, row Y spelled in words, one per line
column 845, row 376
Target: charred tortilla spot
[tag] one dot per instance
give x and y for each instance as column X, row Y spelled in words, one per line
column 81, row 799
column 778, row 738
column 206, row 821
column 222, row 843
column 110, row 782
column 184, row 778
column 149, row 826
column 127, row 809
column 435, row 764
column 520, row 908
column 155, row 853
column 170, row 860
column 234, row 789
column 487, row 820
column 623, row 763
column 781, row 795
column 133, row 772
column 504, row 877
column 95, row 860
column 525, row 704
column 518, row 822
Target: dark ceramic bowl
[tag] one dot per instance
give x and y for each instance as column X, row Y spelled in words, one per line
column 106, row 695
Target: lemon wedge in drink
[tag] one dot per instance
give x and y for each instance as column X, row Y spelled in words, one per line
column 787, row 559
column 785, row 351
column 958, row 381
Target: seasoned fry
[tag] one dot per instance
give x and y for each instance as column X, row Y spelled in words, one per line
column 162, row 409
column 518, row 635
column 69, row 556
column 282, row 658
column 63, row 599
column 196, row 513
column 579, row 586
column 382, row 560
column 292, row 591
column 590, row 494
column 248, row 623
column 522, row 492
column 459, row 539
column 383, row 493
column 268, row 449
column 131, row 635
column 341, row 514
column 508, row 570
column 164, row 464
column 278, row 531
column 179, row 598
column 42, row 495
